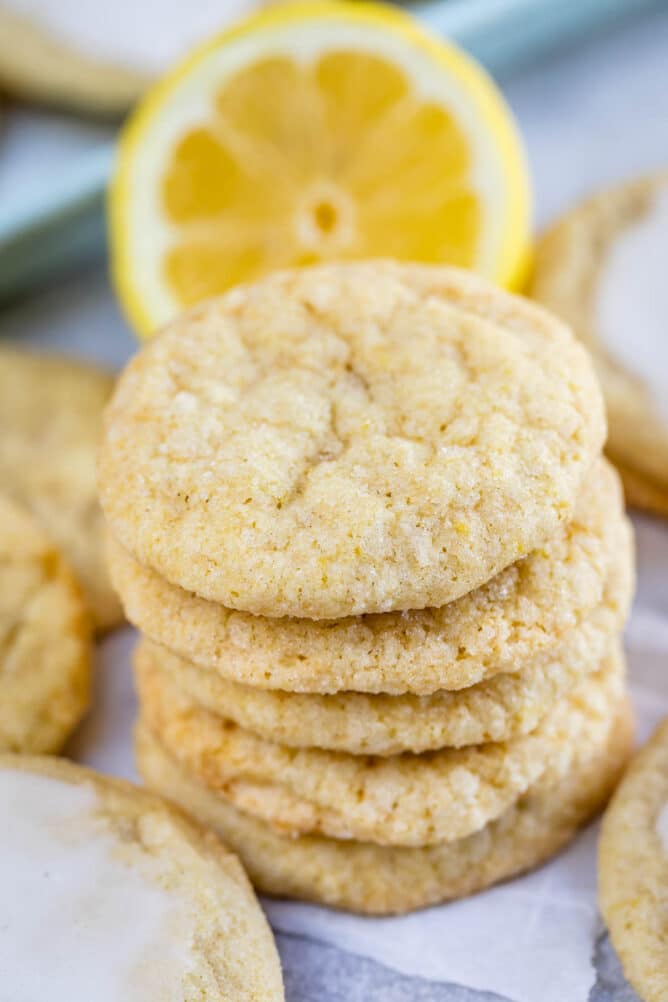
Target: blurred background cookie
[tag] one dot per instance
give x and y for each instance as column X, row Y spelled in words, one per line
column 84, row 57
column 602, row 268
column 45, row 643
column 51, row 418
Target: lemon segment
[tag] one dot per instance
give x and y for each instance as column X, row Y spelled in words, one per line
column 313, row 132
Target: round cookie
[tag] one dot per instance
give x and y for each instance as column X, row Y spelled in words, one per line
column 408, row 800
column 349, row 438
column 498, row 709
column 45, row 642
column 377, row 880
column 503, row 626
column 633, row 869
column 51, row 420
column 106, row 884
column 600, row 267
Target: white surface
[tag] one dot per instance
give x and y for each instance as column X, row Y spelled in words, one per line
column 592, row 117
column 68, row 891
column 632, row 301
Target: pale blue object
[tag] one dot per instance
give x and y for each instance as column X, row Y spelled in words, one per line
column 55, row 229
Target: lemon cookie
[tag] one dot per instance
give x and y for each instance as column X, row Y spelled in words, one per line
column 51, row 419
column 521, row 614
column 109, row 893
column 378, row 880
column 633, row 869
column 601, row 269
column 498, row 709
column 45, row 643
column 349, row 438
column 405, row 800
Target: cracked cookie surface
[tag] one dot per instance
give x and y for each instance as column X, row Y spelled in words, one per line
column 151, row 905
column 349, row 439
column 408, row 800
column 51, row 420
column 383, row 880
column 511, row 621
column 45, row 642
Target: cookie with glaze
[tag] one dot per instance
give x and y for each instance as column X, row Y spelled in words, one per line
column 150, row 904
column 599, row 267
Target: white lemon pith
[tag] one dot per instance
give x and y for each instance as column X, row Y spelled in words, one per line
column 311, row 133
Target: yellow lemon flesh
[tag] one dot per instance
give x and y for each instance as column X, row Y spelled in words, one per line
column 314, row 132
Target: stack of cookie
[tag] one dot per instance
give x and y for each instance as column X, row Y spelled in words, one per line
column 360, row 515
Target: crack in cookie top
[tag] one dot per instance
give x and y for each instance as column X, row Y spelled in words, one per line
column 349, row 439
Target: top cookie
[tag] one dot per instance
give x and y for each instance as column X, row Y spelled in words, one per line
column 51, row 421
column 349, row 439
column 601, row 268
column 105, row 885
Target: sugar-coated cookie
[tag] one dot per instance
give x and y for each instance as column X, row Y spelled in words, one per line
column 45, row 638
column 633, row 869
column 107, row 892
column 515, row 619
column 349, row 438
column 407, row 800
column 497, row 709
column 601, row 267
column 379, row 880
column 51, row 420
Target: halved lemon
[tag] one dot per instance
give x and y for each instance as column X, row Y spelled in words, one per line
column 312, row 132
